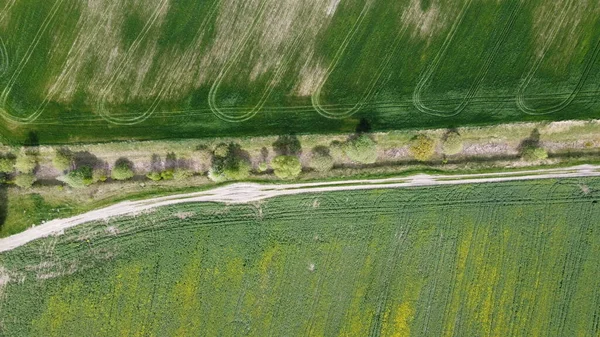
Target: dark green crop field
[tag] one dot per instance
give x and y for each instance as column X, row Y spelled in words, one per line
column 74, row 71
column 504, row 259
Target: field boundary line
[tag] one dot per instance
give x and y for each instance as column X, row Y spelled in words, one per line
column 521, row 101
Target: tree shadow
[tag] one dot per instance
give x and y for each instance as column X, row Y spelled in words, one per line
column 32, row 140
column 533, row 141
column 85, row 158
column 364, row 126
column 287, row 145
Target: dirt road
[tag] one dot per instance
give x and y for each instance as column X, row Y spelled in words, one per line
column 247, row 192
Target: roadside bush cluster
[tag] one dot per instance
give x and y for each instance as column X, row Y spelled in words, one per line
column 286, row 167
column 229, row 163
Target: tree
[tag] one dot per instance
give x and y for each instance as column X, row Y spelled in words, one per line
column 63, row 160
column 422, row 147
column 533, row 153
column 361, row 149
column 321, row 160
column 452, row 144
column 25, row 180
column 7, row 165
column 229, row 163
column 78, row 178
column 287, row 145
column 25, row 163
column 123, row 170
column 286, row 167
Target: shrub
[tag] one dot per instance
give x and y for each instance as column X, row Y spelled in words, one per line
column 154, row 176
column 321, row 160
column 229, row 164
column 422, row 147
column 25, row 180
column 361, row 149
column 78, row 178
column 533, row 153
column 99, row 175
column 182, row 173
column 167, row 174
column 336, row 150
column 63, row 160
column 452, row 144
column 122, row 170
column 286, row 167
column 25, row 163
column 263, row 166
column 7, row 165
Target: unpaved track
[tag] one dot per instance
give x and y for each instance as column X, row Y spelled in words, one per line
column 248, row 192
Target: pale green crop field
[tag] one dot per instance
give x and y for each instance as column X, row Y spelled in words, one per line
column 73, row 71
column 503, row 259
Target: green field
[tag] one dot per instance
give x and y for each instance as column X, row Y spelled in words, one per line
column 74, row 71
column 503, row 259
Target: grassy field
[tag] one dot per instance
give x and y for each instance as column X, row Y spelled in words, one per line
column 108, row 70
column 505, row 259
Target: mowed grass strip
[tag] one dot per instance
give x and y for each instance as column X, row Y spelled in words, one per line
column 506, row 259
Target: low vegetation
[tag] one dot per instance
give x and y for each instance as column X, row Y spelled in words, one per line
column 452, row 143
column 422, row 147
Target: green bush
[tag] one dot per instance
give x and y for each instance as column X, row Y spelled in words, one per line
column 229, row 165
column 78, row 178
column 321, row 160
column 286, row 167
column 534, row 153
column 452, row 144
column 7, row 165
column 155, row 176
column 25, row 180
column 167, row 175
column 422, row 147
column 25, row 163
column 63, row 160
column 361, row 149
column 263, row 166
column 123, row 170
